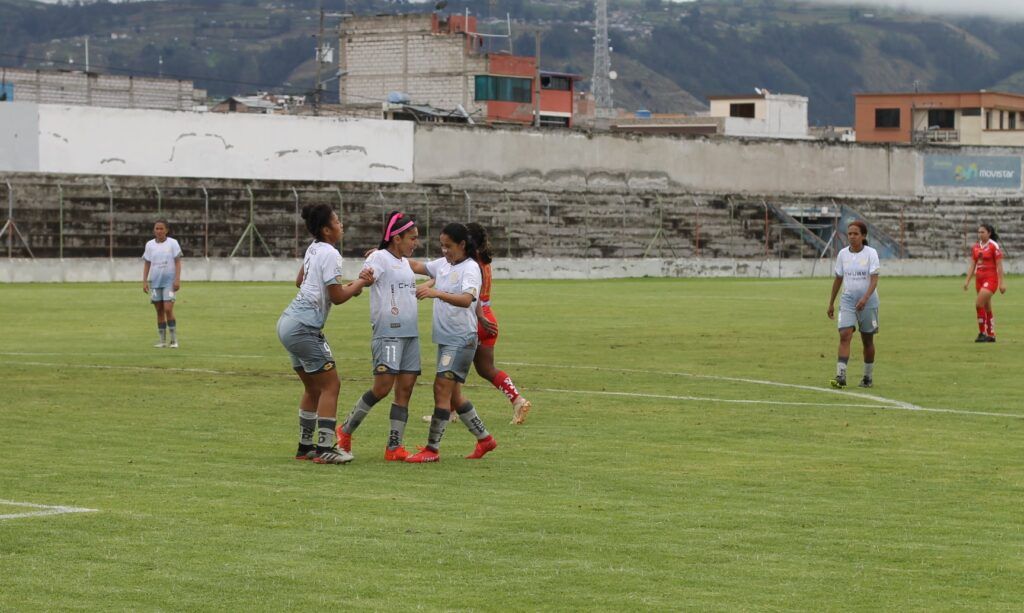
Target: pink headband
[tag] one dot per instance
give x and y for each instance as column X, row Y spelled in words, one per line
column 389, row 233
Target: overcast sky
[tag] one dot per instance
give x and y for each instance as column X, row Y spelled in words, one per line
column 1014, row 8
column 992, row 8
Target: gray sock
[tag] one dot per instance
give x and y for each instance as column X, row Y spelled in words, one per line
column 438, row 422
column 162, row 329
column 467, row 413
column 869, row 370
column 172, row 327
column 325, row 432
column 841, row 367
column 399, row 417
column 359, row 412
column 307, row 426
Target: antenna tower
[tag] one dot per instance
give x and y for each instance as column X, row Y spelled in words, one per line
column 601, row 81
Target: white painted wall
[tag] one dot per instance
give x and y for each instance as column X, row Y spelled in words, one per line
column 106, row 141
column 283, row 269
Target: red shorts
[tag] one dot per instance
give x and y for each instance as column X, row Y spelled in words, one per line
column 486, row 338
column 986, row 282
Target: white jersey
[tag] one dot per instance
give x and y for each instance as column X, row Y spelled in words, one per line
column 392, row 296
column 321, row 267
column 454, row 325
column 161, row 257
column 856, row 270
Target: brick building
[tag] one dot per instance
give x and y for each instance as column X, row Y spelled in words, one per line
column 440, row 61
column 94, row 89
column 958, row 118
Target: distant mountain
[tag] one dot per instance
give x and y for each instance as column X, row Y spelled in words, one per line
column 669, row 56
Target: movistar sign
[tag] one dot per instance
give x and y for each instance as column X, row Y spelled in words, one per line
column 979, row 171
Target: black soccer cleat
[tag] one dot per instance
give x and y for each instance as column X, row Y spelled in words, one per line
column 305, row 452
column 866, row 382
column 838, row 383
column 989, row 339
column 981, row 338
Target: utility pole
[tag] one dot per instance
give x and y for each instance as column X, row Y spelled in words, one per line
column 536, row 79
column 319, row 61
column 601, row 82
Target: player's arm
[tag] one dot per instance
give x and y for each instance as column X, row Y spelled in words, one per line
column 999, row 274
column 837, row 282
column 340, row 294
column 427, row 290
column 872, row 286
column 490, row 326
column 145, row 276
column 419, row 267
column 970, row 272
column 299, row 277
column 177, row 273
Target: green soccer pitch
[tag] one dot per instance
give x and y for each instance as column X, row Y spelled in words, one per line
column 684, row 452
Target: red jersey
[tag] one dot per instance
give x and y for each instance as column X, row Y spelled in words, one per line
column 986, row 257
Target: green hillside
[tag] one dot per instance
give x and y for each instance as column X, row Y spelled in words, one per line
column 669, row 56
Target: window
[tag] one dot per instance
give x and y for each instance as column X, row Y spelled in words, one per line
column 941, row 119
column 887, row 118
column 1013, row 121
column 742, row 109
column 562, row 84
column 975, row 112
column 503, row 89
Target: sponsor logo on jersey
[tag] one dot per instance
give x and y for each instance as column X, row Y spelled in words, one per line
column 382, row 368
column 449, row 375
column 328, row 366
column 446, row 360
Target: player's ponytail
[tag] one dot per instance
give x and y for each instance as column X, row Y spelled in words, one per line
column 317, row 217
column 395, row 225
column 991, row 231
column 459, row 234
column 483, row 243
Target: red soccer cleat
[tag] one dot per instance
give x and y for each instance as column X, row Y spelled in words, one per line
column 482, row 447
column 398, row 454
column 344, row 439
column 426, row 455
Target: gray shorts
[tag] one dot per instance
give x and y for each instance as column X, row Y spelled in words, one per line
column 866, row 320
column 454, row 362
column 396, row 355
column 161, row 294
column 307, row 347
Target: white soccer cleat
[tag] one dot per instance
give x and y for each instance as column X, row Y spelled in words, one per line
column 160, row 345
column 520, row 408
column 173, row 345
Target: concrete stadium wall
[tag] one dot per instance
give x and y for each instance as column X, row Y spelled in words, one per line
column 284, row 269
column 458, row 155
column 105, row 141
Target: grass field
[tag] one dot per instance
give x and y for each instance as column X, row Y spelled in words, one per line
column 683, row 453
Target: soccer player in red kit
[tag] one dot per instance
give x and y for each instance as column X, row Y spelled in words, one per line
column 987, row 268
column 487, row 331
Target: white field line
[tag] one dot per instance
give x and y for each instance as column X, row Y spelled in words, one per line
column 43, row 510
column 829, row 405
column 872, row 397
column 890, row 404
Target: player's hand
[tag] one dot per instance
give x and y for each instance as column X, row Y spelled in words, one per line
column 831, row 312
column 491, row 327
column 965, row 285
column 366, row 275
column 177, row 285
column 425, row 291
column 1002, row 289
column 145, row 287
column 860, row 305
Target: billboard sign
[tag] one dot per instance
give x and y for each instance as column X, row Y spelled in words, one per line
column 973, row 171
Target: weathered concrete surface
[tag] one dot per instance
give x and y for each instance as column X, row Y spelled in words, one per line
column 155, row 143
column 284, row 269
column 460, row 155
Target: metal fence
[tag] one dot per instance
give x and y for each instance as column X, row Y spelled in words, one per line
column 101, row 217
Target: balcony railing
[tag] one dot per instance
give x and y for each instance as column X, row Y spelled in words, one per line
column 936, row 136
